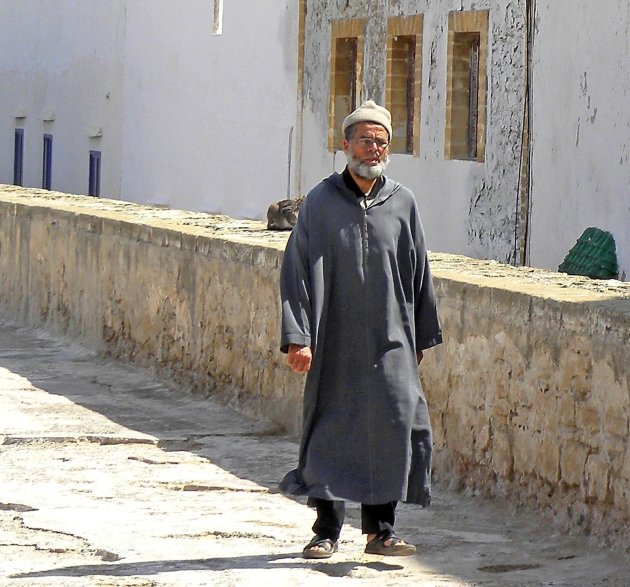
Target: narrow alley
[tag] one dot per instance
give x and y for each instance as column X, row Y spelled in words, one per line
column 111, row 477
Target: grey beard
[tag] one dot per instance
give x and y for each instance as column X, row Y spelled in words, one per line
column 367, row 171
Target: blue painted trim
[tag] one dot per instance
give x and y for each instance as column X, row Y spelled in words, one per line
column 47, row 162
column 18, row 157
column 94, row 180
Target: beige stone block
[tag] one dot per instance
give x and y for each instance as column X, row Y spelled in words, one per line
column 581, row 385
column 500, row 409
column 611, row 394
column 482, row 439
column 525, row 451
column 498, row 384
column 616, row 460
column 435, row 375
column 566, row 410
column 620, row 489
column 498, row 347
column 573, row 457
column 615, row 421
column 502, row 458
column 597, row 471
column 614, row 447
column 587, row 417
column 437, row 430
column 575, row 367
column 543, row 415
column 548, row 458
column 519, row 394
column 625, row 467
column 459, row 433
column 519, row 419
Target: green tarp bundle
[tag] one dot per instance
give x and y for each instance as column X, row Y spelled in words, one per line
column 593, row 255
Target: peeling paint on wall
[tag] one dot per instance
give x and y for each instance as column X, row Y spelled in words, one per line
column 482, row 197
column 493, row 206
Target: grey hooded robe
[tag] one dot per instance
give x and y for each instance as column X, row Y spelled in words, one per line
column 356, row 287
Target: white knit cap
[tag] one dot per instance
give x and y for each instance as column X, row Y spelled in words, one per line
column 369, row 111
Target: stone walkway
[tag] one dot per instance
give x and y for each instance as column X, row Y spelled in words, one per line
column 109, row 477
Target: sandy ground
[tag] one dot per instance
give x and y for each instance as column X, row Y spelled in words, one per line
column 111, row 477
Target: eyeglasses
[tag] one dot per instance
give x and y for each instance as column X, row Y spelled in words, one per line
column 366, row 143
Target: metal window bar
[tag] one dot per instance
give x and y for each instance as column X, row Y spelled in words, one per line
column 345, row 82
column 18, row 157
column 94, row 180
column 353, row 56
column 411, row 86
column 473, row 98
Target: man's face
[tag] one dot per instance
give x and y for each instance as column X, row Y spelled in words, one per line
column 367, row 150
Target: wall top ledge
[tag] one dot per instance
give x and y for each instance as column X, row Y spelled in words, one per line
column 455, row 268
column 531, row 281
column 214, row 226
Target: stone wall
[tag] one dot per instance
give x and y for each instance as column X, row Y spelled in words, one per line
column 529, row 393
column 189, row 295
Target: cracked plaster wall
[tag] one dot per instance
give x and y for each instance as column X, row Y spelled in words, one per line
column 467, row 207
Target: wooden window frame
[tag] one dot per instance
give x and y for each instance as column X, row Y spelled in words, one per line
column 467, row 27
column 344, row 29
column 406, row 26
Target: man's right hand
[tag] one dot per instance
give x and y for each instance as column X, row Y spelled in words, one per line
column 299, row 358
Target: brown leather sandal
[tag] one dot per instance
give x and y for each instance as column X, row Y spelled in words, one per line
column 320, row 547
column 396, row 547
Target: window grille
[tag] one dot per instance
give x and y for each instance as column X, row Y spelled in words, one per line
column 18, row 157
column 94, row 180
column 466, row 86
column 345, row 76
column 47, row 162
column 404, row 78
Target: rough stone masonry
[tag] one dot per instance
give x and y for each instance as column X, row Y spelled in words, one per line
column 529, row 394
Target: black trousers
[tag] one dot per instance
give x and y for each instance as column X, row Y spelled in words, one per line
column 330, row 516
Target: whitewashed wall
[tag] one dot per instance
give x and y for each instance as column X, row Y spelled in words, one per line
column 62, row 57
column 581, row 127
column 189, row 119
column 208, row 117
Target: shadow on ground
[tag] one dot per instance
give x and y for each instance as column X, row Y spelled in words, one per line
column 465, row 537
column 259, row 562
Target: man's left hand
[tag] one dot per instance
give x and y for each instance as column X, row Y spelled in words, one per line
column 299, row 358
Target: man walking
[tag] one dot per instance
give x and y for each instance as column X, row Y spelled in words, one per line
column 358, row 309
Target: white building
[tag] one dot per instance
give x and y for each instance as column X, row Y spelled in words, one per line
column 180, row 115
column 551, row 117
column 226, row 106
